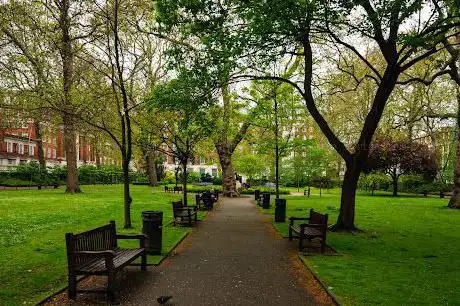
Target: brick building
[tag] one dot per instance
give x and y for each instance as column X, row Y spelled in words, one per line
column 18, row 144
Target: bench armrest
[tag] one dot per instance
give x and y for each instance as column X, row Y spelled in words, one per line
column 95, row 254
column 292, row 219
column 141, row 238
column 298, row 218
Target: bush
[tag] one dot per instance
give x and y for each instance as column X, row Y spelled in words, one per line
column 30, row 173
column 12, row 182
column 199, row 189
column 374, row 181
column 217, row 180
column 411, row 183
column 263, row 189
column 322, row 182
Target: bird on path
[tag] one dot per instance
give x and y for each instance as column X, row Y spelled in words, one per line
column 162, row 300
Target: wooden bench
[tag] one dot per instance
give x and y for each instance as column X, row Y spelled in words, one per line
column 178, row 189
column 167, row 189
column 96, row 252
column 316, row 228
column 208, row 200
column 182, row 213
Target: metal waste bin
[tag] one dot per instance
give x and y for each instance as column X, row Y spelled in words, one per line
column 280, row 210
column 266, row 200
column 152, row 227
column 257, row 194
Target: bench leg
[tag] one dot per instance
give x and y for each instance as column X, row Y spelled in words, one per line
column 323, row 245
column 300, row 242
column 196, row 217
column 144, row 262
column 290, row 233
column 111, row 286
column 72, row 290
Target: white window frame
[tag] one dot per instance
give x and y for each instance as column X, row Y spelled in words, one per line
column 9, row 147
column 31, row 150
column 20, row 148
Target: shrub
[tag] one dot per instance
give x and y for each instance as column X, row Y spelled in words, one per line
column 217, row 180
column 374, row 181
column 411, row 183
column 12, row 182
column 263, row 189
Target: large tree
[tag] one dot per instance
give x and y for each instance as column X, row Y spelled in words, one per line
column 184, row 108
column 399, row 157
column 267, row 31
column 43, row 41
column 300, row 28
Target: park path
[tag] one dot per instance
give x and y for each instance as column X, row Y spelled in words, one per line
column 232, row 258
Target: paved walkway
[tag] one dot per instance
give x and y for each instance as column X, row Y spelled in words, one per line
column 232, row 258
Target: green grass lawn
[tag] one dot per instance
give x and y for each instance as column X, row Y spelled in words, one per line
column 33, row 223
column 407, row 253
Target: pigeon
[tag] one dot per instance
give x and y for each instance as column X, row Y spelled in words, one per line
column 163, row 299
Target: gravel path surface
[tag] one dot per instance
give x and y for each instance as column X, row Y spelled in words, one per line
column 232, row 258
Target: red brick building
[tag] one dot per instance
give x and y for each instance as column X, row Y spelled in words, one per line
column 18, row 144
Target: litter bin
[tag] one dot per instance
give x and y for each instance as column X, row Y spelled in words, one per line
column 280, row 210
column 266, row 200
column 257, row 194
column 152, row 227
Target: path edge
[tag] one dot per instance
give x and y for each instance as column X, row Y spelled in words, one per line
column 318, row 279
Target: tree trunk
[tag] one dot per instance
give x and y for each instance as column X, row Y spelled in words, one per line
column 126, row 193
column 71, row 155
column 277, row 149
column 151, row 168
column 346, row 219
column 40, row 152
column 184, row 181
column 395, row 185
column 228, row 177
column 454, row 201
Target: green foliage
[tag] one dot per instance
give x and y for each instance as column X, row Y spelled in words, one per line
column 374, row 181
column 31, row 173
column 264, row 189
column 411, row 183
column 322, row 182
column 251, row 165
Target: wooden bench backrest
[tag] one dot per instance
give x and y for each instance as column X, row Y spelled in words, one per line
column 177, row 205
column 102, row 238
column 317, row 218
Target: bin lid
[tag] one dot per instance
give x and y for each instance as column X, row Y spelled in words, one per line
column 152, row 212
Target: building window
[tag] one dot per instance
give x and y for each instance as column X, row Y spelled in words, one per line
column 202, row 170
column 21, row 148
column 48, row 153
column 9, row 147
column 31, row 150
column 25, row 134
column 11, row 162
column 214, row 172
column 54, row 153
